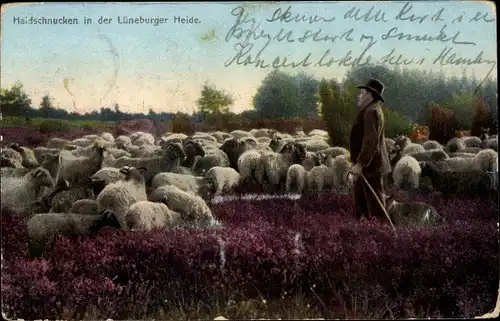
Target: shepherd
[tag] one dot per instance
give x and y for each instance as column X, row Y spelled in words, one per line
column 369, row 152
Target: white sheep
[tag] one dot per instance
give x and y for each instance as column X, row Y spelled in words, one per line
column 413, row 214
column 82, row 142
column 406, row 173
column 472, row 141
column 14, row 157
column 431, row 154
column 460, row 164
column 413, row 148
column 122, row 141
column 491, row 143
column 85, row 206
column 311, row 160
column 41, row 152
column 56, row 142
column 318, row 132
column 455, row 144
column 335, row 151
column 222, row 179
column 148, row 216
column 192, row 208
column 432, row 144
column 341, row 166
column 240, row 134
column 274, row 166
column 118, row 197
column 77, row 170
column 247, row 163
column 43, row 228
column 107, row 137
column 185, row 182
column 296, row 178
column 486, row 160
column 19, row 193
column 29, row 159
column 315, row 145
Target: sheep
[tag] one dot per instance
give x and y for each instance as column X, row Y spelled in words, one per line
column 455, row 144
column 77, row 170
column 221, row 136
column 341, row 166
column 412, row 148
column 432, row 144
column 122, row 141
column 184, row 182
column 276, row 143
column 234, row 148
column 19, row 193
column 82, row 142
column 141, row 138
column 56, row 142
column 460, row 164
column 240, row 134
column 103, row 177
column 413, row 214
column 192, row 150
column 203, row 164
column 172, row 156
column 107, row 137
column 222, row 179
column 29, row 159
column 296, row 178
column 62, row 202
column 472, row 182
column 273, row 166
column 204, row 136
column 472, row 141
column 406, row 173
column 486, row 160
column 44, row 204
column 471, row 150
column 335, row 151
column 311, row 160
column 15, row 158
column 247, row 163
column 431, row 154
column 318, row 132
column 463, row 155
column 402, row 141
column 173, row 138
column 117, row 197
column 85, row 206
column 117, row 153
column 259, row 133
column 491, row 143
column 192, row 208
column 41, row 152
column 43, row 228
column 148, row 216
column 91, row 137
column 315, row 145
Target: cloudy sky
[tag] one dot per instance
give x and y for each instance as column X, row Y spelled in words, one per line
column 163, row 67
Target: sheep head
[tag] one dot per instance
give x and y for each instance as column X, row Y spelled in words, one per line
column 99, row 146
column 108, row 218
column 485, row 133
column 276, row 143
column 287, row 148
column 193, row 148
column 6, row 162
column 16, row 147
column 134, row 173
column 300, row 151
column 320, row 158
column 175, row 151
column 42, row 176
column 229, row 145
column 62, row 185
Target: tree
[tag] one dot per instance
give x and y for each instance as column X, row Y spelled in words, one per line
column 214, row 101
column 46, row 106
column 15, row 102
column 307, row 87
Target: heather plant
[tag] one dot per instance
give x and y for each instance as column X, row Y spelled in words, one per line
column 268, row 249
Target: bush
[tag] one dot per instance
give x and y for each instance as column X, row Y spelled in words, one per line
column 443, row 124
column 314, row 247
column 181, row 123
column 396, row 124
column 53, row 126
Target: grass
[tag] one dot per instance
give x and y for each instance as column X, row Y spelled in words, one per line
column 13, row 121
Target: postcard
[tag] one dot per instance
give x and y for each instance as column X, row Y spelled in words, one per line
column 249, row 160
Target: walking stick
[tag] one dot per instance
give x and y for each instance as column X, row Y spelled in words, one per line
column 379, row 202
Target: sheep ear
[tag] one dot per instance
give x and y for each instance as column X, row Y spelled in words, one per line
column 125, row 170
column 38, row 172
column 142, row 170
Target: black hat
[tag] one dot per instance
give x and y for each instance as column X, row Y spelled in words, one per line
column 375, row 87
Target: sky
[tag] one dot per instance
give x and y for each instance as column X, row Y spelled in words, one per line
column 164, row 67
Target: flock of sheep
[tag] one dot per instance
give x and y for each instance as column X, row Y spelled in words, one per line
column 139, row 182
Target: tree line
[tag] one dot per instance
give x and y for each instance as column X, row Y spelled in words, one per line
column 409, row 93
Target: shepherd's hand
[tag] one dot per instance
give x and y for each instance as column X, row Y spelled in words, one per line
column 356, row 171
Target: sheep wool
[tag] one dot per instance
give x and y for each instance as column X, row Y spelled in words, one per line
column 296, row 178
column 432, row 144
column 455, row 144
column 16, row 159
column 341, row 166
column 43, row 228
column 247, row 163
column 222, row 179
column 148, row 216
column 413, row 214
column 19, row 193
column 430, row 155
column 29, row 159
column 319, row 178
column 192, row 208
column 184, row 182
column 406, row 173
column 77, row 170
column 118, row 197
column 85, row 206
column 486, row 160
column 412, row 148
column 472, row 141
column 460, row 164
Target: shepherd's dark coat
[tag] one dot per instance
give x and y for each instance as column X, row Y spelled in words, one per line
column 367, row 148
